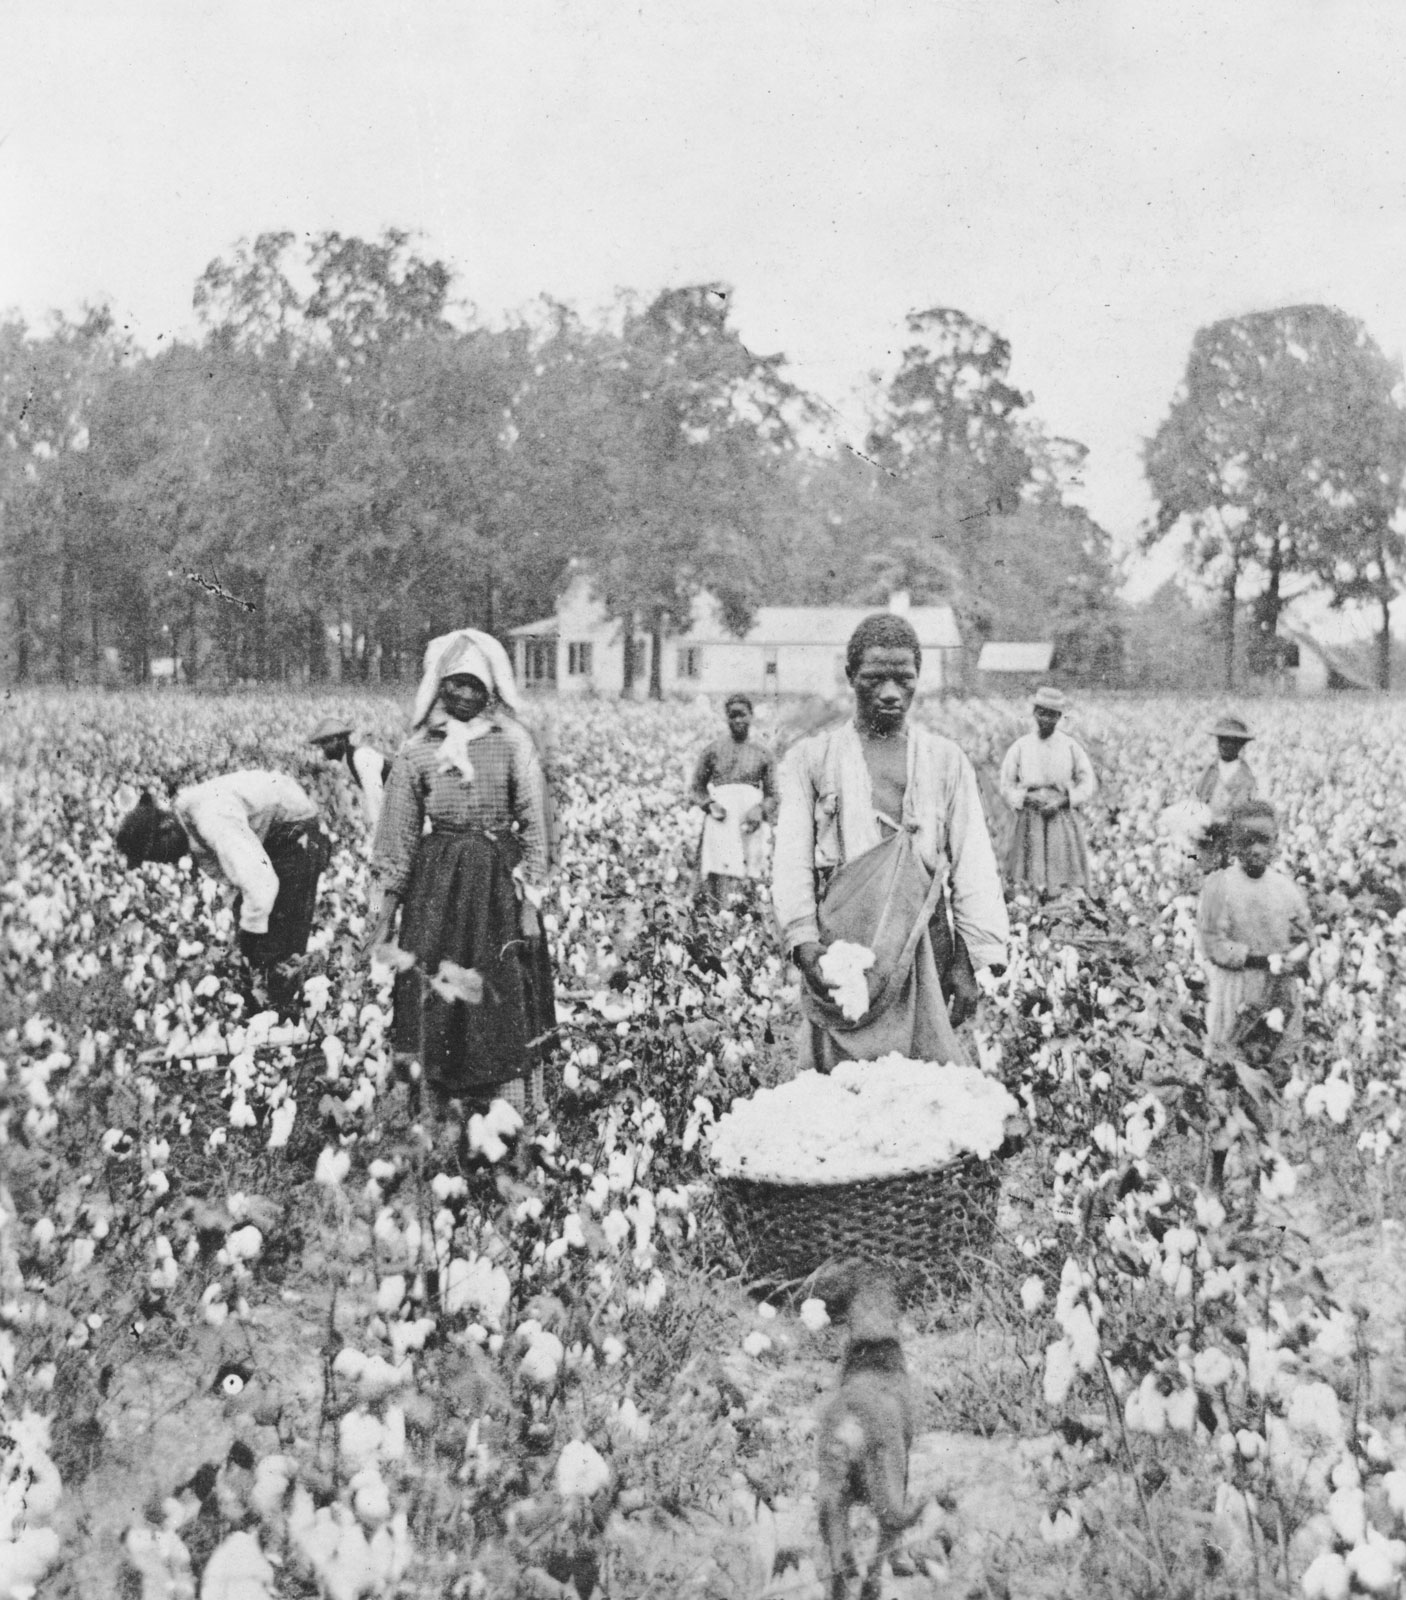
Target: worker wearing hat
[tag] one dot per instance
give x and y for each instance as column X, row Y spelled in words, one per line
column 1225, row 783
column 368, row 768
column 1045, row 777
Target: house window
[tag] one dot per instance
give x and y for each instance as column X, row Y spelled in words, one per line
column 539, row 662
column 578, row 660
column 769, row 666
column 690, row 661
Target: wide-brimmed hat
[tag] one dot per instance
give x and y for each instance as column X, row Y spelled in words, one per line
column 330, row 728
column 1048, row 698
column 1231, row 728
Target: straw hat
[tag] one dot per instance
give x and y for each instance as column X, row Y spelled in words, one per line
column 1229, row 727
column 330, row 728
column 1048, row 698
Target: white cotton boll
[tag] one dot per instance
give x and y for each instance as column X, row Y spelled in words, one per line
column 477, row 1284
column 1326, row 1577
column 390, row 1293
column 572, row 1232
column 766, row 1311
column 244, row 1243
column 814, row 1315
column 334, row 1053
column 1372, row 1567
column 1213, row 1368
column 1315, row 1415
column 1059, row 1371
column 581, row 1471
column 542, row 1362
column 612, row 1350
column 1395, row 1485
column 349, row 1364
column 1280, row 1182
column 1083, row 1338
column 360, row 1437
column 371, row 1500
column 616, row 1228
column 1032, row 1294
column 843, row 966
column 1346, row 1475
column 756, row 1344
column 1347, row 1511
column 272, row 1476
column 332, row 1166
column 1181, row 1411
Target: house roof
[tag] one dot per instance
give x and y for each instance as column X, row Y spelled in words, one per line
column 548, row 627
column 936, row 626
column 1016, row 657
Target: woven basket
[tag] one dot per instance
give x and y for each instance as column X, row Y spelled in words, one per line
column 921, row 1223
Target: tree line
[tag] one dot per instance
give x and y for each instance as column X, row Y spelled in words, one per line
column 347, row 461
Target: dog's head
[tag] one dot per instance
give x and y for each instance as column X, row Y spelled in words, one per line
column 863, row 1296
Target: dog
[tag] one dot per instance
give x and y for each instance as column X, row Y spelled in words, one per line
column 865, row 1428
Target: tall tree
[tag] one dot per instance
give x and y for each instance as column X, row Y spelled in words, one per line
column 1261, row 456
column 691, row 430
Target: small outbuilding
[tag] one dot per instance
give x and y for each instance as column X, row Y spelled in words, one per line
column 1014, row 667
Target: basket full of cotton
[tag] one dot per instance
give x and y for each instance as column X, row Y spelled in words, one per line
column 893, row 1160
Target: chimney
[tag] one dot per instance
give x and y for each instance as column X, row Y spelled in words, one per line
column 899, row 602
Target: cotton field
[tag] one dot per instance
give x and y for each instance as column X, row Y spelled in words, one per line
column 262, row 1334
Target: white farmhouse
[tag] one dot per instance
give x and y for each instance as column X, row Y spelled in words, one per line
column 789, row 650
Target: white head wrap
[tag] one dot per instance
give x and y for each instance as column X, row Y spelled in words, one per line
column 465, row 650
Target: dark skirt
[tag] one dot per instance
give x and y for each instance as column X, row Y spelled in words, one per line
column 298, row 852
column 461, row 906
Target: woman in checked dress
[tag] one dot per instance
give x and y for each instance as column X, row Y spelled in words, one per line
column 467, row 891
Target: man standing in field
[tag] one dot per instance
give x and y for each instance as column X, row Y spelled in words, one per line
column 369, row 769
column 881, row 843
column 735, row 783
column 258, row 831
column 1225, row 784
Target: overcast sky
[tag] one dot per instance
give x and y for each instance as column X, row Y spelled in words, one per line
column 1095, row 179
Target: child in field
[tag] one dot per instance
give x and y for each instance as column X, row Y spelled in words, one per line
column 1254, row 930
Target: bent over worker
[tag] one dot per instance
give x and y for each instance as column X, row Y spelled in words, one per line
column 259, row 832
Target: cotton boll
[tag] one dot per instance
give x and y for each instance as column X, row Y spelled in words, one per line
column 1327, row 1578
column 1032, row 1294
column 332, row 1166
column 542, row 1362
column 1060, row 1370
column 244, row 1243
column 581, row 1471
column 390, row 1294
column 1213, row 1368
column 1347, row 1510
column 756, row 1343
column 1373, row 1568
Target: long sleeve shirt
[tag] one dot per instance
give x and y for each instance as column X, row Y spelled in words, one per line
column 369, row 769
column 827, row 817
column 1057, row 762
column 507, row 790
column 1238, row 917
column 226, row 820
column 727, row 761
